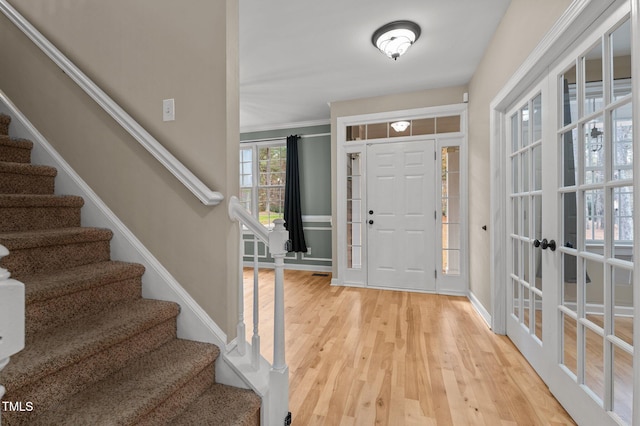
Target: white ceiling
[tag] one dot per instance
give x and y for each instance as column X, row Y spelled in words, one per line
column 296, row 56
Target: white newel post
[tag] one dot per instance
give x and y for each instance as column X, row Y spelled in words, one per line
column 11, row 318
column 279, row 375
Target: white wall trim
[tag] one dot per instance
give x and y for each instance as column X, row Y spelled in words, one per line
column 290, row 266
column 480, row 309
column 284, row 126
column 180, row 171
column 157, row 283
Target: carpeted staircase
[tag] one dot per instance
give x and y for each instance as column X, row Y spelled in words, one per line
column 96, row 352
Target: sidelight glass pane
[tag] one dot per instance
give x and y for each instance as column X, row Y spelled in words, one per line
column 593, row 88
column 448, row 124
column 622, row 384
column 621, row 66
column 569, row 97
column 622, row 143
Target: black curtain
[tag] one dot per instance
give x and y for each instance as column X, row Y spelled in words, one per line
column 292, row 210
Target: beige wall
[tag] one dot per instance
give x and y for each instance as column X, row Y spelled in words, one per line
column 522, row 27
column 421, row 99
column 141, row 53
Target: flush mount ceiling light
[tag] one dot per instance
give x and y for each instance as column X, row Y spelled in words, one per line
column 395, row 38
column 400, row 126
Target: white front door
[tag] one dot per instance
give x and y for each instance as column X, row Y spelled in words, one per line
column 401, row 215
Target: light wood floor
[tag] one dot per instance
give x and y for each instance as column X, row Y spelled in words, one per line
column 373, row 357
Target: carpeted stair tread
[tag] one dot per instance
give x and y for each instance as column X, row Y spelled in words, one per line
column 55, row 349
column 43, row 286
column 222, row 405
column 40, row 200
column 4, row 124
column 27, row 169
column 15, row 150
column 130, row 394
column 6, row 140
column 53, row 237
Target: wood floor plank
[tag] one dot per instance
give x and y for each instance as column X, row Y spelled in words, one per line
column 373, row 357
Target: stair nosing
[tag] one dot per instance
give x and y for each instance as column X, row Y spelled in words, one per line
column 27, row 169
column 17, row 240
column 40, row 200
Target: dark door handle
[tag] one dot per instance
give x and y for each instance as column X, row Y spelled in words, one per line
column 550, row 244
column 370, row 211
column 536, row 242
column 370, row 222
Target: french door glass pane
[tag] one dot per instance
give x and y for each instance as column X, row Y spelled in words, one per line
column 594, row 219
column 569, row 288
column 623, row 308
column 524, row 123
column 569, row 97
column 622, row 143
column 592, row 89
column 594, row 362
column 526, row 294
column 621, row 51
column 569, row 219
column 515, row 285
column 569, row 158
column 525, row 171
column 594, row 151
column 569, row 343
column 537, row 168
column 537, row 118
column 622, row 384
column 594, row 291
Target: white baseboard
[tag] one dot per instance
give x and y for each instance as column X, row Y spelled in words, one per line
column 157, row 283
column 480, row 309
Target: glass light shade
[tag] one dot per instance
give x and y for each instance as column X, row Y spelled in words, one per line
column 400, row 126
column 395, row 38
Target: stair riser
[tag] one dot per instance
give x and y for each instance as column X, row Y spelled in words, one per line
column 34, row 218
column 14, row 183
column 180, row 399
column 62, row 310
column 53, row 389
column 15, row 154
column 4, row 127
column 41, row 259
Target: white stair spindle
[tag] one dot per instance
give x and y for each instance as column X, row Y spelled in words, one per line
column 277, row 246
column 240, row 329
column 255, row 340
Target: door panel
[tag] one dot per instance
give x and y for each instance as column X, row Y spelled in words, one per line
column 401, row 205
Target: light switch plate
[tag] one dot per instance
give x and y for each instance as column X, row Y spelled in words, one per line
column 168, row 110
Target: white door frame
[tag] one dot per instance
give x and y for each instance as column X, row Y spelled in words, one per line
column 457, row 285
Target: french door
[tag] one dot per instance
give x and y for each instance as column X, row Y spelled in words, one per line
column 570, row 162
column 401, row 215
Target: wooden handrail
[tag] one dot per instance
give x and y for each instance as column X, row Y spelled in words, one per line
column 183, row 174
